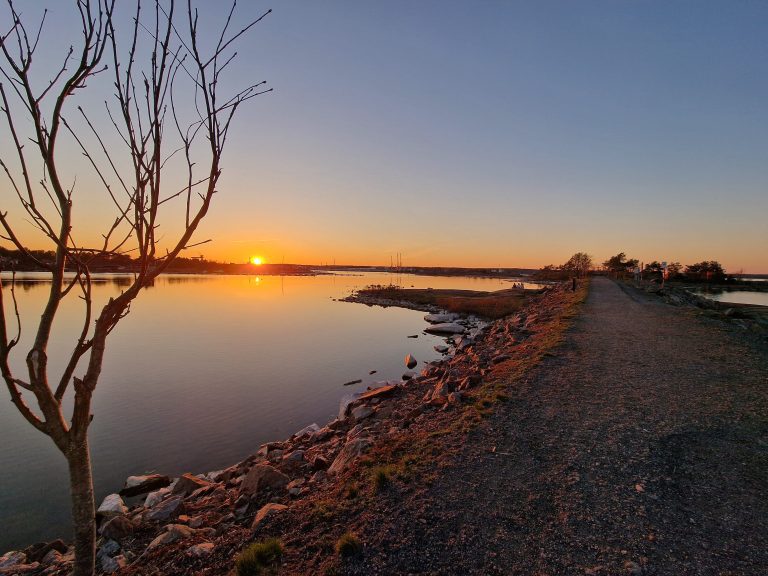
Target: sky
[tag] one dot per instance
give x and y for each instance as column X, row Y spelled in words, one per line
column 489, row 133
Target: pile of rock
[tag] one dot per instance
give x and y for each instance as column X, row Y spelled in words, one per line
column 41, row 558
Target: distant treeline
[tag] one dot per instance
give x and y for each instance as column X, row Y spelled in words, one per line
column 581, row 264
column 21, row 262
column 437, row 270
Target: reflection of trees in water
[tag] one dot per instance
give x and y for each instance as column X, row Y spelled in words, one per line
column 28, row 284
column 184, row 279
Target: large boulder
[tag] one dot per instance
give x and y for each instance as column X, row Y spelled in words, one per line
column 118, row 528
column 380, row 392
column 154, row 498
column 311, row 429
column 112, row 505
column 351, row 451
column 346, row 401
column 166, row 510
column 263, row 476
column 137, row 485
column 446, row 328
column 188, row 483
column 440, row 318
column 361, row 412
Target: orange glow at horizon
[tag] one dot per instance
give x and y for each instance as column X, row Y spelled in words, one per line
column 257, row 260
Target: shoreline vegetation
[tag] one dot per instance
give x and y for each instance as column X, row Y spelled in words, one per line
column 488, row 305
column 389, row 433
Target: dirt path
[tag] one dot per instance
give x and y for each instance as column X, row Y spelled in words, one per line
column 641, row 447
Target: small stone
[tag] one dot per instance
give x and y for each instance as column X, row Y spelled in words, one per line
column 202, row 549
column 173, row 533
column 294, row 487
column 108, row 548
column 444, row 389
column 319, row 462
column 633, row 568
column 52, row 557
column 410, row 375
column 411, row 362
column 266, row 511
column 319, row 477
column 110, row 565
column 275, row 456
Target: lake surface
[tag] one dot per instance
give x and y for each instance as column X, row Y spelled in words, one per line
column 202, row 371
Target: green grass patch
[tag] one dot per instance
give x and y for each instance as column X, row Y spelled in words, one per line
column 322, row 511
column 259, row 558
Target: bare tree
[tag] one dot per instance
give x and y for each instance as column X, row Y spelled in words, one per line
column 148, row 102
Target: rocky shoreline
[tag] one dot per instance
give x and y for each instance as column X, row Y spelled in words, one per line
column 752, row 318
column 184, row 524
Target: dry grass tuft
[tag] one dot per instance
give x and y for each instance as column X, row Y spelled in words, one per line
column 349, row 545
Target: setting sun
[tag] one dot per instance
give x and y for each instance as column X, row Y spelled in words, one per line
column 256, row 260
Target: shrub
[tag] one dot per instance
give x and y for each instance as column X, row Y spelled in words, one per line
column 258, row 557
column 381, row 476
column 352, row 491
column 349, row 545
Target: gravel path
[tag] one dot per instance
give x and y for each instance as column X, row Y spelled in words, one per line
column 640, row 447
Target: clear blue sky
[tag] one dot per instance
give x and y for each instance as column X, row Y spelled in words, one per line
column 500, row 133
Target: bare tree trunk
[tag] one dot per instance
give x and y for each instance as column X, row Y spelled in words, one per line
column 83, row 507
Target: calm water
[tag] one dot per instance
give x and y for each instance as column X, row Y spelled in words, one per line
column 737, row 296
column 202, row 371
